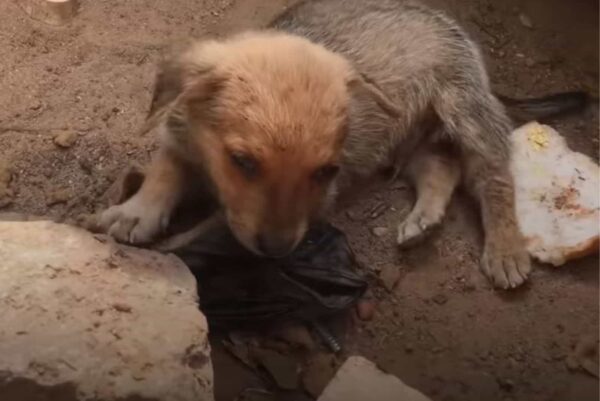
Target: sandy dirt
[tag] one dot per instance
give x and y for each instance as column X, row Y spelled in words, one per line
column 71, row 97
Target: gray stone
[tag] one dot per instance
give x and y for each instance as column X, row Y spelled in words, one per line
column 83, row 318
column 359, row 380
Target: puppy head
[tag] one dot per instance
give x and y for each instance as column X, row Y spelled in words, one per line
column 267, row 114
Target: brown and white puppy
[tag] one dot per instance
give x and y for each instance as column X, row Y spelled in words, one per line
column 264, row 116
column 275, row 120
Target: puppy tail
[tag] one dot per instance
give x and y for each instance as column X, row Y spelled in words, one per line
column 546, row 107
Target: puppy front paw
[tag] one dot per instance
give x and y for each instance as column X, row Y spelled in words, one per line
column 134, row 222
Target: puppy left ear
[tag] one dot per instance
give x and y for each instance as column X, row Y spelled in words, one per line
column 359, row 81
column 184, row 89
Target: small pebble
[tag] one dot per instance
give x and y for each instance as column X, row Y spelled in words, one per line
column 57, row 196
column 121, row 307
column 86, row 165
column 351, row 215
column 389, row 276
column 65, row 139
column 379, row 231
column 529, row 62
column 440, row 299
column 525, row 21
column 506, row 384
column 5, row 173
column 365, row 309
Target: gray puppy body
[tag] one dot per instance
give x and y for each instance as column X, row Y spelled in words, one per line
column 451, row 125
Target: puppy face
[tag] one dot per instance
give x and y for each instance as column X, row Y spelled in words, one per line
column 267, row 114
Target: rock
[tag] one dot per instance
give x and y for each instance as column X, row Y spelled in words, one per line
column 320, row 369
column 57, row 196
column 73, row 328
column 529, row 62
column 525, row 21
column 379, row 231
column 52, row 12
column 65, row 139
column 389, row 276
column 359, row 379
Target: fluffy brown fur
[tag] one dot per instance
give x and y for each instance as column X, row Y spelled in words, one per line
column 264, row 114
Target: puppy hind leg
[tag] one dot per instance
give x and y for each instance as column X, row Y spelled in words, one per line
column 478, row 123
column 435, row 174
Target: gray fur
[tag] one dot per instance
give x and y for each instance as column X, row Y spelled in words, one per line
column 430, row 68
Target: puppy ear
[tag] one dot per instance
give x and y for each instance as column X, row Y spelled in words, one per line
column 185, row 91
column 168, row 84
column 359, row 81
column 198, row 100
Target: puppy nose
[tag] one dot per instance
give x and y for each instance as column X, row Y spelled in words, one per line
column 274, row 246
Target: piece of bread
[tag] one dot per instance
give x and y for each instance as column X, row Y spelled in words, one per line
column 557, row 194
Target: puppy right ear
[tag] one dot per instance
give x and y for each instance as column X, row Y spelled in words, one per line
column 168, row 85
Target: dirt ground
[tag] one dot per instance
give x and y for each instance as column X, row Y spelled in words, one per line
column 441, row 329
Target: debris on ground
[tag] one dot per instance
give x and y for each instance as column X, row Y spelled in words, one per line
column 556, row 192
column 359, row 379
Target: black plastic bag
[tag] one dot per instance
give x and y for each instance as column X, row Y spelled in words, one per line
column 238, row 288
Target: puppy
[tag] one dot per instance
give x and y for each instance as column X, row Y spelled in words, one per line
column 272, row 123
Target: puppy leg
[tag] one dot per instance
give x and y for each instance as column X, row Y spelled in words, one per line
column 479, row 124
column 435, row 175
column 141, row 218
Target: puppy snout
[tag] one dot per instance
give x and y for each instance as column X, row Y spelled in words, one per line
column 275, row 246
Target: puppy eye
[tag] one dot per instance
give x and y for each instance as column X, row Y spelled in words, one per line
column 246, row 164
column 325, row 173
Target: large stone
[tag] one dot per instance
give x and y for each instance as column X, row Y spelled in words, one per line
column 82, row 318
column 359, row 380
